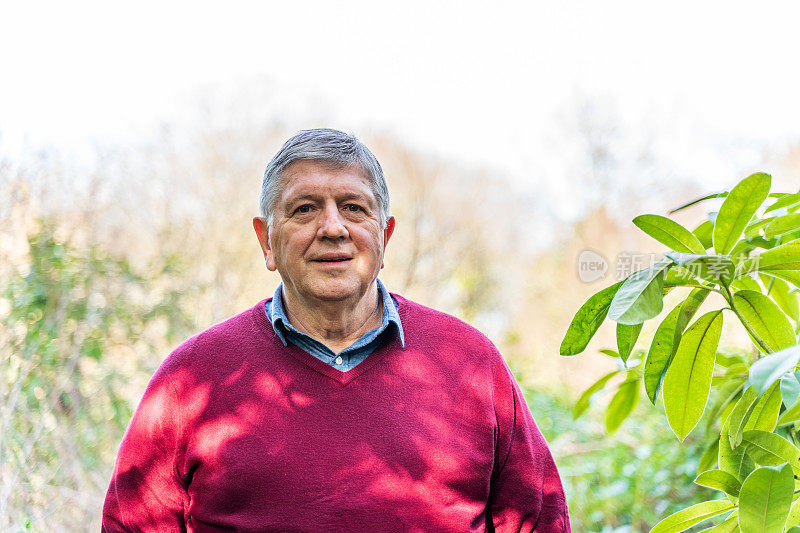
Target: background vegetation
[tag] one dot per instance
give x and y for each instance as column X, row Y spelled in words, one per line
column 105, row 267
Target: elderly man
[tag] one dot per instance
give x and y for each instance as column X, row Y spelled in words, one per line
column 334, row 405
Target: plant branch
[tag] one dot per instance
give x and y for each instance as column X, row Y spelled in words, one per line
column 761, row 344
column 701, row 286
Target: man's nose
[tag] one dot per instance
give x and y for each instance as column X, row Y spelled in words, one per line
column 331, row 224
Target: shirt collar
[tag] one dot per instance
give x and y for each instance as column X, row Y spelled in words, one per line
column 276, row 313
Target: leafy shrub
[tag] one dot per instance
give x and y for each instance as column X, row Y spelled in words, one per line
column 77, row 320
column 754, row 267
column 619, row 483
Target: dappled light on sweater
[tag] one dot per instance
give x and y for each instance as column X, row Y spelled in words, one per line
column 262, row 437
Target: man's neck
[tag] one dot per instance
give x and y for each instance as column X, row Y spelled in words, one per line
column 335, row 324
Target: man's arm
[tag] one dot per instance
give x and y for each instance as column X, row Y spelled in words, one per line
column 146, row 493
column 526, row 492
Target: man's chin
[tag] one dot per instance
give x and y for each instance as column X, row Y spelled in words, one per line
column 337, row 296
column 338, row 292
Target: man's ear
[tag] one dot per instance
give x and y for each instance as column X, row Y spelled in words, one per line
column 387, row 233
column 262, row 232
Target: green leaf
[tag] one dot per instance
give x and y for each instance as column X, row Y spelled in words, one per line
column 766, row 410
column 745, row 283
column 640, row 297
column 713, row 268
column 688, row 380
column 626, row 339
column 585, row 400
column 729, row 525
column 791, row 415
column 794, row 515
column 704, row 233
column 761, row 242
column 765, row 499
column 783, row 225
column 770, row 449
column 697, row 201
column 666, row 341
column 676, row 277
column 737, row 210
column 724, row 413
column 792, row 276
column 755, row 226
column 790, row 389
column 621, row 405
column 662, row 350
column 709, row 457
column 587, row 320
column 744, row 247
column 785, row 200
column 686, row 518
column 669, row 232
column 688, row 309
column 766, row 319
column 772, row 367
column 729, row 360
column 781, row 293
column 740, row 415
column 725, row 399
column 785, row 257
column 719, row 480
column 733, row 460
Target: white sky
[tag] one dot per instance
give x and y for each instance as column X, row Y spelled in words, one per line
column 478, row 81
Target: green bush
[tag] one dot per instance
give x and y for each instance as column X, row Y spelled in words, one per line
column 750, row 398
column 72, row 353
column 619, row 483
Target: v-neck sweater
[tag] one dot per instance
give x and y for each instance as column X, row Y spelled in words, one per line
column 236, row 431
column 353, row 354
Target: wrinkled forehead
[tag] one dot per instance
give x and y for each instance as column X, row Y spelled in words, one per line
column 312, row 177
column 301, row 166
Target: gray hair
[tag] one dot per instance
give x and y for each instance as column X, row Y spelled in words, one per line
column 330, row 146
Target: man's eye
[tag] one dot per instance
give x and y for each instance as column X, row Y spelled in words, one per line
column 306, row 208
column 352, row 207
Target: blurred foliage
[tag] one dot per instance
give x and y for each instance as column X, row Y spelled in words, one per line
column 75, row 320
column 619, row 483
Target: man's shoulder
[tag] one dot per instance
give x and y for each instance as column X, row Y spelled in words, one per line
column 235, row 333
column 235, row 327
column 424, row 322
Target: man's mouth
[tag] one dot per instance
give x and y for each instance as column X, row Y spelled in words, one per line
column 332, row 258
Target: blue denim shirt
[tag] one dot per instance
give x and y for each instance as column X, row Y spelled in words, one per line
column 350, row 356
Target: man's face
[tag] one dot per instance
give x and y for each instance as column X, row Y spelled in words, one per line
column 326, row 239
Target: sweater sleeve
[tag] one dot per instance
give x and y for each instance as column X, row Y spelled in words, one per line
column 525, row 490
column 146, row 492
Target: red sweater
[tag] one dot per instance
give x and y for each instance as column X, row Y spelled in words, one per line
column 238, row 432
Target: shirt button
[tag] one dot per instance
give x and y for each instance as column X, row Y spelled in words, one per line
column 338, row 360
